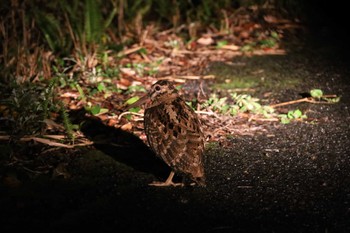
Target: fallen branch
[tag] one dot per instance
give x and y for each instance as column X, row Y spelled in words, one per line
column 132, row 113
column 207, row 113
column 306, row 99
column 129, row 51
column 47, row 141
column 183, row 78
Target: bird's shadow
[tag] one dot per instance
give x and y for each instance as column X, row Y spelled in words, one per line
column 122, row 146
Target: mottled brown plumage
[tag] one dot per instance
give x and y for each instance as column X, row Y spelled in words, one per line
column 173, row 132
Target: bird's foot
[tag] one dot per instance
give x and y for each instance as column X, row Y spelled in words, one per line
column 166, row 184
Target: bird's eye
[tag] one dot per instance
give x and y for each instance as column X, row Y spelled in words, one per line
column 157, row 88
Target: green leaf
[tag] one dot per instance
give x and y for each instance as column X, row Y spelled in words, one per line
column 110, row 18
column 247, row 47
column 51, row 28
column 101, row 87
column 316, row 93
column 249, row 106
column 136, row 109
column 103, row 110
column 189, row 103
column 285, row 120
column 225, row 108
column 234, row 111
column 332, row 100
column 178, row 87
column 132, row 100
column 221, row 43
column 128, row 117
column 293, row 114
column 297, row 114
column 81, row 92
column 142, row 51
column 93, row 27
column 96, row 109
column 75, row 126
column 274, row 35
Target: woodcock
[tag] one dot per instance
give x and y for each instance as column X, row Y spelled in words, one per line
column 173, row 132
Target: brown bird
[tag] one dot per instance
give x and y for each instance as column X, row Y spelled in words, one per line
column 173, row 132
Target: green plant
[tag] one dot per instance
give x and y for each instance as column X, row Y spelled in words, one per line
column 93, row 26
column 216, row 104
column 28, row 107
column 248, row 103
column 78, row 24
column 25, row 112
column 317, row 94
column 134, row 109
column 81, row 92
column 66, row 121
column 48, row 97
column 241, row 103
column 270, row 41
column 95, row 109
column 248, row 47
column 292, row 115
column 221, row 43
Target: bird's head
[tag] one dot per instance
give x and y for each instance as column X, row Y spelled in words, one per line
column 160, row 92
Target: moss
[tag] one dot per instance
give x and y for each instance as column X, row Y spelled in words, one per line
column 261, row 73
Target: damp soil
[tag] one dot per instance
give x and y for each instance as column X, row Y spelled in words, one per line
column 286, row 178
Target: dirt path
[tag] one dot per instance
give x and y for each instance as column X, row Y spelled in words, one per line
column 287, row 178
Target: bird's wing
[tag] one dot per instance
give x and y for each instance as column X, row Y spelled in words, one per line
column 174, row 133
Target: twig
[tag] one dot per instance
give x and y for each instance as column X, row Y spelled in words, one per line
column 181, row 78
column 272, row 119
column 306, row 99
column 47, row 141
column 289, row 102
column 132, row 113
column 57, row 144
column 57, row 137
column 207, row 113
column 129, row 51
column 329, row 96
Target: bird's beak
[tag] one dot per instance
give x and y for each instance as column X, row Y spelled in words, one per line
column 143, row 100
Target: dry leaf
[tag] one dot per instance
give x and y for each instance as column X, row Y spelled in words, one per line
column 112, row 122
column 230, row 47
column 127, row 126
column 128, row 71
column 205, row 41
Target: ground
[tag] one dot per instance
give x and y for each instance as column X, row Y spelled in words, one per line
column 280, row 178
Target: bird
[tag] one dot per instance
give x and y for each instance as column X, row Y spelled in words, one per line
column 173, row 132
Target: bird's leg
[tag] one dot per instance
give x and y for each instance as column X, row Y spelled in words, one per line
column 168, row 182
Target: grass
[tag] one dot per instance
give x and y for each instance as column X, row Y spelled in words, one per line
column 236, row 82
column 78, row 43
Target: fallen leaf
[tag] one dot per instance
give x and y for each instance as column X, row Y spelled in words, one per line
column 128, row 71
column 112, row 122
column 205, row 41
column 230, row 47
column 126, row 127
